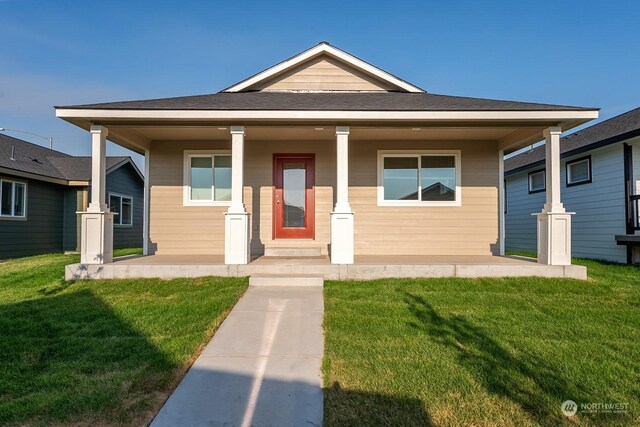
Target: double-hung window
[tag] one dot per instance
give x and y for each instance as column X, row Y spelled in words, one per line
column 207, row 178
column 537, row 181
column 579, row 171
column 424, row 178
column 13, row 199
column 123, row 207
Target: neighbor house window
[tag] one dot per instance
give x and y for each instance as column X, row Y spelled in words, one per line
column 536, row 181
column 123, row 207
column 207, row 178
column 579, row 171
column 430, row 178
column 13, row 199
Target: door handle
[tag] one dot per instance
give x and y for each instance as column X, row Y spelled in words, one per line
column 277, row 199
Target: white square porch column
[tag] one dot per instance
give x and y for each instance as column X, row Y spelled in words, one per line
column 554, row 223
column 96, row 244
column 342, row 215
column 236, row 221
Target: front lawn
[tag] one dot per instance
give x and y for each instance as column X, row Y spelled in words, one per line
column 483, row 351
column 98, row 352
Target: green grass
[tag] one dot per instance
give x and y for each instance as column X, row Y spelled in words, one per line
column 98, row 352
column 482, row 351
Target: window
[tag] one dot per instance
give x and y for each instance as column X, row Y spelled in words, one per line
column 207, row 178
column 13, row 199
column 123, row 206
column 430, row 178
column 537, row 181
column 579, row 171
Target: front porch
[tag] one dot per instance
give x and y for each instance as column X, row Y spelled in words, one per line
column 365, row 267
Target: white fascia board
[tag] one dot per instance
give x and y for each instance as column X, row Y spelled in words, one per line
column 97, row 115
column 329, row 50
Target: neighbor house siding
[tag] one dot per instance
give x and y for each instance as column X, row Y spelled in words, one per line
column 470, row 229
column 41, row 232
column 126, row 181
column 74, row 201
column 599, row 208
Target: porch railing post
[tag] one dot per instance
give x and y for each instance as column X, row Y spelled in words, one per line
column 342, row 244
column 554, row 223
column 236, row 222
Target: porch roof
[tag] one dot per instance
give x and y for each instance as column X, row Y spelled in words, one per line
column 323, row 101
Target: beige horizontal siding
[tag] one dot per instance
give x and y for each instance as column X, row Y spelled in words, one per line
column 323, row 73
column 471, row 229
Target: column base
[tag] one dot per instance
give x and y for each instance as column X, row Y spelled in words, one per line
column 236, row 238
column 96, row 243
column 342, row 238
column 554, row 238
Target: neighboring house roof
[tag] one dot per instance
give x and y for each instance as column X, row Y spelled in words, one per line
column 34, row 159
column 615, row 129
column 337, row 101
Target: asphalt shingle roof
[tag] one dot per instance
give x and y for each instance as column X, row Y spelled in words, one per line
column 337, row 101
column 613, row 130
column 35, row 159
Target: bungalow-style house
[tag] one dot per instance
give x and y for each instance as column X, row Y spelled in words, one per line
column 327, row 155
column 600, row 180
column 41, row 191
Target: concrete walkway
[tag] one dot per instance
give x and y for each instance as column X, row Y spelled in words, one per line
column 262, row 367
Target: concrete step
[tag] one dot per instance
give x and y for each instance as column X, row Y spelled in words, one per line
column 292, row 252
column 285, row 280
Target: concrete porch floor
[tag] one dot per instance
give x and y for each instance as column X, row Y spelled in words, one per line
column 364, row 268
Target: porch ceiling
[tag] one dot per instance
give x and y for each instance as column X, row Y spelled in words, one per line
column 511, row 136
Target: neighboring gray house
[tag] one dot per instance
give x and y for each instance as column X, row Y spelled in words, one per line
column 600, row 170
column 41, row 190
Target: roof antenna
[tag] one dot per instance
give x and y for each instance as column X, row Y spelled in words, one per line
column 13, row 152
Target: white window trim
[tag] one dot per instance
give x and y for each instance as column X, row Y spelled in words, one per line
column 418, row 153
column 13, row 195
column 119, row 219
column 571, row 163
column 186, row 178
column 544, row 181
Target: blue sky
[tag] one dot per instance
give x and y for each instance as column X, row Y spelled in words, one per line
column 583, row 53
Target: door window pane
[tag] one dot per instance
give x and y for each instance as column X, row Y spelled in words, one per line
column 400, row 178
column 5, row 202
column 19, row 199
column 294, row 183
column 438, row 176
column 201, row 178
column 222, row 178
column 127, row 211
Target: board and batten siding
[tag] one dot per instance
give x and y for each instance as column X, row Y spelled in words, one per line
column 471, row 229
column 599, row 208
column 41, row 232
column 126, row 181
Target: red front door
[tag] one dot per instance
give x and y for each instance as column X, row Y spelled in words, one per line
column 293, row 196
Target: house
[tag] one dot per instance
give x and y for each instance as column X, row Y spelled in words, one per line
column 600, row 179
column 41, row 191
column 323, row 154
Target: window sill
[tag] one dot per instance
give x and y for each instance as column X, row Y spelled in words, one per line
column 392, row 203
column 12, row 218
column 206, row 204
column 573, row 184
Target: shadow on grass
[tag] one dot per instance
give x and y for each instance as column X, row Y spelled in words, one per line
column 357, row 408
column 69, row 356
column 528, row 381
